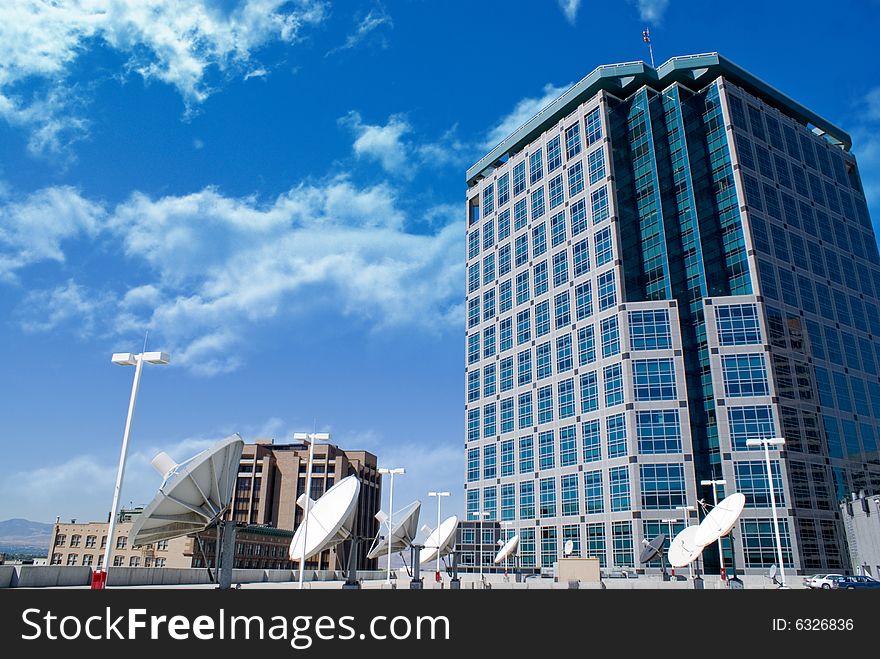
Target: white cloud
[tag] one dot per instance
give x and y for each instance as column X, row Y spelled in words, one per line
column 866, row 147
column 522, row 112
column 652, row 10
column 213, row 268
column 43, row 311
column 165, row 40
column 33, row 228
column 570, row 9
column 375, row 19
column 81, row 486
column 383, row 144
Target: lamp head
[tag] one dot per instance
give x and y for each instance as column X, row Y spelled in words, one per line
column 123, row 359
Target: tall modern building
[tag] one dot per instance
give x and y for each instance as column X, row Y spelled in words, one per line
column 662, row 264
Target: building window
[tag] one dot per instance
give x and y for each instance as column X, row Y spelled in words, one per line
column 536, row 167
column 658, row 431
column 560, row 268
column 567, row 446
column 607, row 290
column 524, row 367
column 548, row 497
column 575, row 180
column 117, row 561
column 489, row 461
column 744, row 375
column 572, row 141
column 604, row 247
column 599, row 204
column 583, row 300
column 610, row 336
column 121, row 542
column 586, row 345
column 578, row 217
column 562, row 309
column 737, row 324
column 71, row 559
column 596, row 165
column 508, row 501
column 592, row 444
column 565, row 390
column 569, row 489
column 506, row 374
column 654, row 379
column 542, row 318
column 662, row 486
column 526, row 455
column 593, row 123
column 473, row 424
column 755, row 421
column 87, row 559
column 589, row 392
column 488, row 199
column 541, row 278
column 522, row 287
column 554, row 154
column 507, row 449
column 649, row 329
column 759, row 542
column 616, row 431
column 75, row 540
column 594, row 501
column 56, row 559
column 564, row 357
column 613, row 381
column 503, row 196
column 507, row 425
column 527, row 500
column 581, row 257
column 595, row 540
column 557, row 222
column 751, row 480
column 618, row 481
column 621, row 533
column 546, row 450
column 538, row 206
column 524, row 403
column 60, row 540
column 545, row 404
column 523, row 327
column 519, row 178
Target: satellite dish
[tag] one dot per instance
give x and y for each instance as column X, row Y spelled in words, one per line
column 652, row 548
column 684, row 548
column 720, row 519
column 330, row 520
column 401, row 534
column 508, row 549
column 773, row 572
column 193, row 496
column 568, row 548
column 441, row 540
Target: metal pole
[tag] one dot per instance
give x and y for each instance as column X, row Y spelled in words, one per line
column 439, row 498
column 775, row 517
column 390, row 520
column 308, row 493
column 120, row 471
column 480, row 546
column 720, row 540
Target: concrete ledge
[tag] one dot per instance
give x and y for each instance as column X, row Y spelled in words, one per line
column 42, row 576
column 7, row 574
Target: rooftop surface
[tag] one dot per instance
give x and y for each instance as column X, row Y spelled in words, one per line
column 693, row 71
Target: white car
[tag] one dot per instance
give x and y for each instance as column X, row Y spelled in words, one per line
column 824, row 581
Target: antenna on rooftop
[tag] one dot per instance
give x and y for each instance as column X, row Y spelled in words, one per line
column 646, row 37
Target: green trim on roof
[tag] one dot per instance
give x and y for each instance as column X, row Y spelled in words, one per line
column 693, row 71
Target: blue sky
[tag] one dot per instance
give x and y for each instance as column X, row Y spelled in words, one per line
column 275, row 191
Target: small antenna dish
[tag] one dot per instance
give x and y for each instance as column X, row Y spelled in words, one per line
column 772, row 573
column 568, row 548
column 330, row 521
column 441, row 540
column 193, row 496
column 720, row 519
column 508, row 549
column 684, row 550
column 402, row 533
column 652, row 549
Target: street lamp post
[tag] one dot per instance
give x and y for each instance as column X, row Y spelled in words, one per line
column 767, row 442
column 506, row 524
column 311, row 438
column 481, row 514
column 392, row 473
column 684, row 511
column 138, row 361
column 715, row 484
column 439, row 496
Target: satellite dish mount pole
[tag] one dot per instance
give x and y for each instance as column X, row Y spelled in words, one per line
column 416, row 583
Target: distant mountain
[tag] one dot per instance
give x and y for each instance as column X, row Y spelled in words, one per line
column 24, row 533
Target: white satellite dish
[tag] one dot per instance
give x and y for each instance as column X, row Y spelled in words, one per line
column 568, row 548
column 330, row 521
column 193, row 496
column 720, row 519
column 684, row 549
column 402, row 533
column 508, row 549
column 441, row 540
